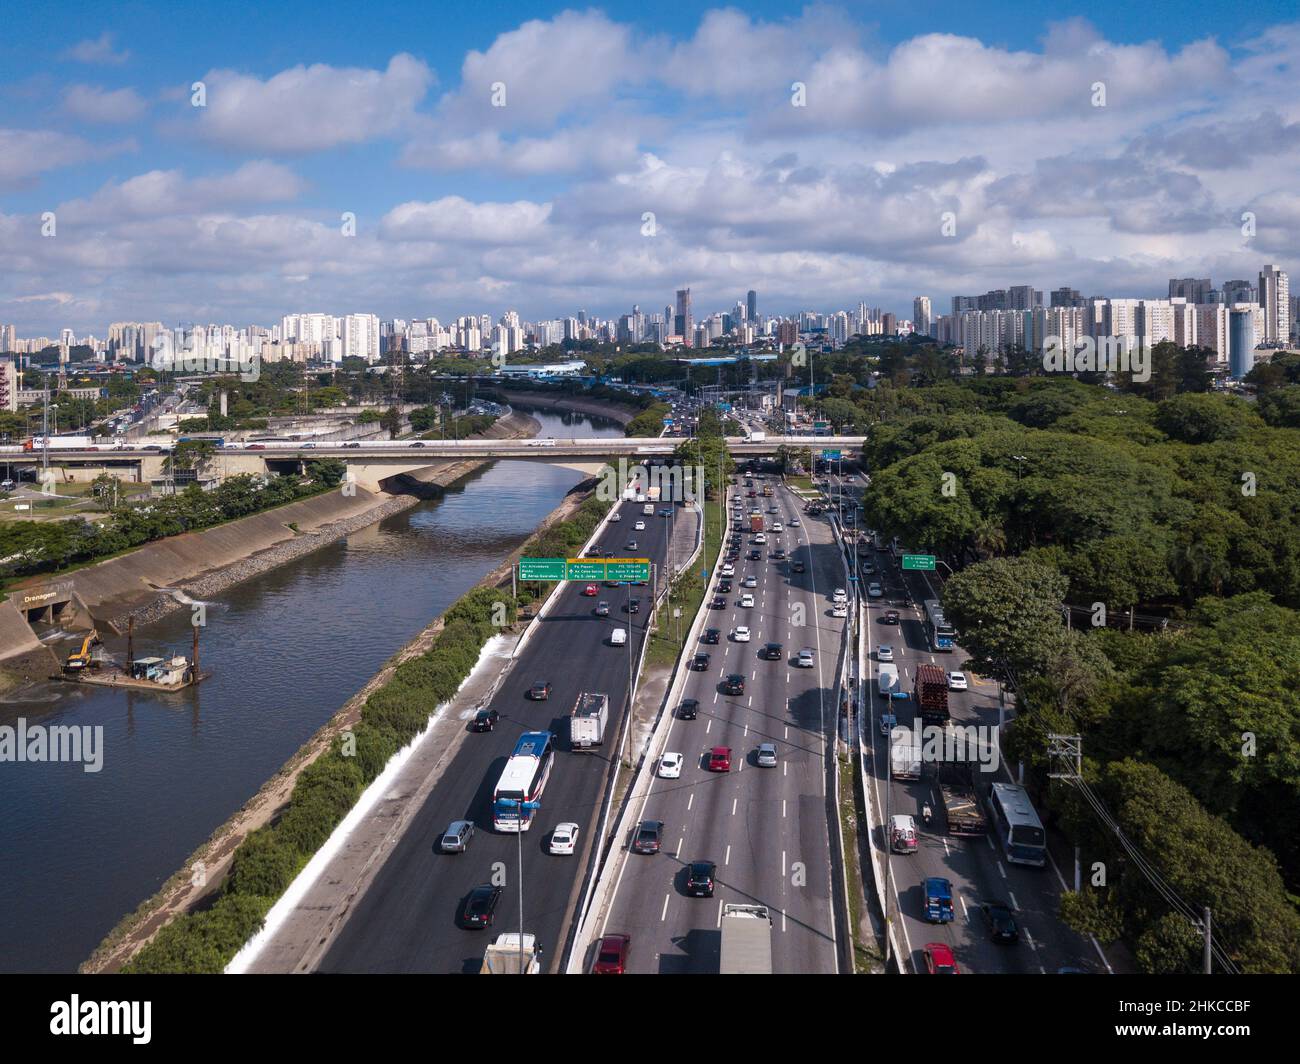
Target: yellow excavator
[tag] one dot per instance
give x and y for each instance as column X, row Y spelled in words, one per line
column 80, row 659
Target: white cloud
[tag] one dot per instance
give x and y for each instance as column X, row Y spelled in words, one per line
column 24, row 153
column 311, row 108
column 457, row 220
column 159, row 193
column 92, row 104
column 97, row 50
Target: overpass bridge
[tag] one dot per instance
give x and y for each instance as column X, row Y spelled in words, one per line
column 372, row 461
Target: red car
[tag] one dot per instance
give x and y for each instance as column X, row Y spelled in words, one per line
column 720, row 759
column 939, row 960
column 591, row 591
column 611, row 957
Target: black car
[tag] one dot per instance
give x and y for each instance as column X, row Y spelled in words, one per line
column 648, row 834
column 540, row 691
column 700, row 663
column 699, row 879
column 778, row 555
column 634, row 606
column 689, row 709
column 772, row 652
column 718, row 603
column 1000, row 922
column 485, row 720
column 798, row 567
column 480, row 907
column 724, row 587
column 734, row 684
column 712, row 635
column 889, row 617
column 755, row 554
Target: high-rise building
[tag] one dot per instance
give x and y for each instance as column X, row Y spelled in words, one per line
column 1066, row 297
column 361, row 337
column 994, row 299
column 8, row 384
column 1023, row 297
column 921, row 314
column 1239, row 292
column 1212, row 328
column 787, row 333
column 8, row 338
column 683, row 324
column 1275, row 298
column 1193, row 289
column 1241, row 340
column 751, row 306
column 961, row 304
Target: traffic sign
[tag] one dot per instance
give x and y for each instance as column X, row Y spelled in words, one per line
column 627, row 568
column 830, row 456
column 918, row 561
column 541, row 568
column 584, row 569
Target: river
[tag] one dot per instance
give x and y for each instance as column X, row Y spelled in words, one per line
column 79, row 850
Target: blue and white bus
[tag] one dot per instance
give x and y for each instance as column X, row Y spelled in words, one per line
column 937, row 629
column 1017, row 825
column 518, row 793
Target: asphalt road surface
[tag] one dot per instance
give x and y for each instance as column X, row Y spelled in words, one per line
column 765, row 828
column 407, row 919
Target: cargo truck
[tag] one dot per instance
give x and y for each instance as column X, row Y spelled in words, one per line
column 506, row 956
column 938, row 900
column 59, row 443
column 905, row 754
column 746, row 940
column 930, row 692
column 961, row 806
column 756, row 522
column 588, row 720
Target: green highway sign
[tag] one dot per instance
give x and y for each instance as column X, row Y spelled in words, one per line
column 584, row 569
column 830, row 456
column 628, row 569
column 541, row 568
column 918, row 561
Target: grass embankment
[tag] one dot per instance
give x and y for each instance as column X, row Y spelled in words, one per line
column 268, row 860
column 686, row 594
column 865, row 959
column 650, row 422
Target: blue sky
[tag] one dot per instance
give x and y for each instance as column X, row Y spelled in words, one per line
column 231, row 212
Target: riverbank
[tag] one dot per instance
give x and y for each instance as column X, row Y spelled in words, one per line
column 166, row 575
column 196, row 884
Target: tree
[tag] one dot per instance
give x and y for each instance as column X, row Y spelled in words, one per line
column 391, row 422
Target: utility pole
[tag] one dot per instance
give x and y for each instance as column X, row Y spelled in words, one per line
column 1068, row 751
column 1205, row 924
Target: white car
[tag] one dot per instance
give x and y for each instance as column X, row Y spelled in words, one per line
column 840, row 609
column 564, row 838
column 670, row 766
column 747, row 600
column 777, row 526
column 884, row 653
column 749, row 581
column 840, row 595
column 740, row 634
column 874, row 591
column 957, row 682
column 759, row 538
column 639, row 527
column 728, row 570
column 616, row 516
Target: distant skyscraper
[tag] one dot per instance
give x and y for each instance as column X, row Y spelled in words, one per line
column 1275, row 298
column 1192, row 289
column 751, row 305
column 683, row 324
column 1066, row 297
column 8, row 338
column 921, row 315
column 1023, row 297
column 961, row 304
column 1239, row 292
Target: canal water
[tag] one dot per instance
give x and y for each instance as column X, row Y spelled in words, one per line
column 78, row 850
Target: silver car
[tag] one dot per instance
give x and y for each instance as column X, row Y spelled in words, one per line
column 456, row 838
column 806, row 658
column 767, row 755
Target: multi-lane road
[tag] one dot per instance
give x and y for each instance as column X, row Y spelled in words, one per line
column 976, row 866
column 406, row 921
column 766, row 828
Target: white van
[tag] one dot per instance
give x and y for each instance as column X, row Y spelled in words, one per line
column 618, row 637
column 902, row 834
column 648, row 509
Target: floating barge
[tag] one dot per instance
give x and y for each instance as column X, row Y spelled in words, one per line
column 173, row 673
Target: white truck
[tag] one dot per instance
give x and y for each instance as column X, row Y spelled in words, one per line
column 758, row 437
column 905, row 754
column 746, row 940
column 507, row 956
column 588, row 720
column 887, row 681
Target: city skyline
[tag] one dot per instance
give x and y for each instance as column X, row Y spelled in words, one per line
column 382, row 177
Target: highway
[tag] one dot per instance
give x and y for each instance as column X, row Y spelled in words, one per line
column 406, row 919
column 765, row 828
column 976, row 866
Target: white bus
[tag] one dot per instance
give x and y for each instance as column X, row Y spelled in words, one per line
column 1017, row 825
column 518, row 793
